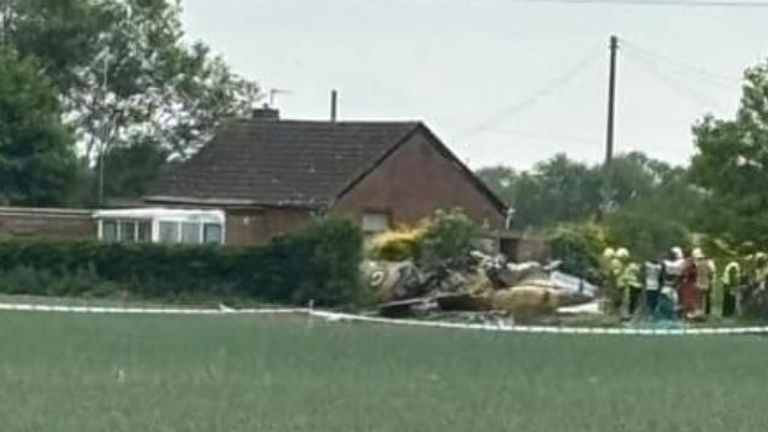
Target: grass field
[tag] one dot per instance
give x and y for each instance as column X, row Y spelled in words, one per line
column 238, row 373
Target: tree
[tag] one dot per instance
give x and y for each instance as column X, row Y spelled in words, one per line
column 654, row 203
column 731, row 163
column 126, row 76
column 37, row 159
column 555, row 190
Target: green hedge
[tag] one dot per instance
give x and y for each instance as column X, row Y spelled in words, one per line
column 320, row 263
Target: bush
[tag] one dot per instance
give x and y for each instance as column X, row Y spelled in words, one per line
column 398, row 245
column 449, row 236
column 580, row 247
column 321, row 263
column 444, row 238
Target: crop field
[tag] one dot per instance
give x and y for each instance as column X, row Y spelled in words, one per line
column 61, row 372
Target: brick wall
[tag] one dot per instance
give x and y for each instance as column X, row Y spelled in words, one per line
column 413, row 182
column 258, row 226
column 46, row 223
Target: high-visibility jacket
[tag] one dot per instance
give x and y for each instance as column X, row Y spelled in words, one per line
column 629, row 276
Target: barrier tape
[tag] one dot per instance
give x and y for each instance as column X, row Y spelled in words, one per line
column 149, row 311
column 344, row 317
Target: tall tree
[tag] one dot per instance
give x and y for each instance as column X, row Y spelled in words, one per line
column 732, row 164
column 37, row 160
column 127, row 77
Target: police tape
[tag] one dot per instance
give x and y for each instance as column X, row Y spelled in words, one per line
column 21, row 307
column 499, row 326
column 512, row 328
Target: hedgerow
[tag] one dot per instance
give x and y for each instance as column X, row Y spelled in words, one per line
column 320, row 263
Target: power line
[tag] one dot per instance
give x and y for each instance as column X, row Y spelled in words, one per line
column 673, row 3
column 713, row 77
column 684, row 91
column 535, row 97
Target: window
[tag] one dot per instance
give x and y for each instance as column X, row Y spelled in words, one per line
column 127, row 231
column 190, row 233
column 212, row 234
column 144, row 231
column 109, row 230
column 375, row 222
column 169, row 232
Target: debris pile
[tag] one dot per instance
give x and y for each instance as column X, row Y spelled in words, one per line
column 480, row 283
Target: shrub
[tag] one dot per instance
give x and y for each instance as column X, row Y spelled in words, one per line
column 579, row 247
column 449, row 236
column 321, row 263
column 444, row 238
column 399, row 244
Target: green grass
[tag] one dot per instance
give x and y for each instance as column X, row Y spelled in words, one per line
column 61, row 372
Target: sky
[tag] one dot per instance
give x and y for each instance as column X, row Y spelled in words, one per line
column 499, row 81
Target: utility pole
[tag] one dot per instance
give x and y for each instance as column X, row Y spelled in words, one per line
column 607, row 190
column 614, row 45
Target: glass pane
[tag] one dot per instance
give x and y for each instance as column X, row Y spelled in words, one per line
column 109, row 231
column 169, row 232
column 375, row 222
column 212, row 234
column 190, row 233
column 145, row 231
column 128, row 231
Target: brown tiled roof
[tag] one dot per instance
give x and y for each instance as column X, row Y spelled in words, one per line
column 284, row 163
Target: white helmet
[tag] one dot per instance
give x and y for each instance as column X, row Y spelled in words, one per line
column 677, row 252
column 609, row 253
column 622, row 253
column 698, row 253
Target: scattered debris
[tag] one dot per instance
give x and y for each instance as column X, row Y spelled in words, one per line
column 528, row 302
column 480, row 284
column 406, row 308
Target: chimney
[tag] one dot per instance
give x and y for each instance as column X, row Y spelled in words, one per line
column 334, row 105
column 266, row 113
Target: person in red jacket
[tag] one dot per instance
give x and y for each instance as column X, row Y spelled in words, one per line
column 687, row 289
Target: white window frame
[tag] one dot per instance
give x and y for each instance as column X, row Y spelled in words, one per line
column 157, row 215
column 119, row 231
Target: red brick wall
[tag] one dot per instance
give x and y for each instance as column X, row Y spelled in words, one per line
column 54, row 224
column 258, row 226
column 413, row 182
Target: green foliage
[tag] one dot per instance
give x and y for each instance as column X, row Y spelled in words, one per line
column 580, row 248
column 556, row 190
column 320, row 263
column 564, row 191
column 37, row 160
column 449, row 236
column 645, row 235
column 132, row 169
column 127, row 77
column 653, row 204
column 445, row 237
column 732, row 165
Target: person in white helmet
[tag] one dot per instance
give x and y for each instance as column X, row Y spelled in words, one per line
column 705, row 279
column 671, row 271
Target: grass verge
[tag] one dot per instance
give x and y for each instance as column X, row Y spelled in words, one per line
column 69, row 372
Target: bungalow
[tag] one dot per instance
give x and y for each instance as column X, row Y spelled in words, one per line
column 271, row 176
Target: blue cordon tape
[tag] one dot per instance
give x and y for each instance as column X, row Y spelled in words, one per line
column 333, row 316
